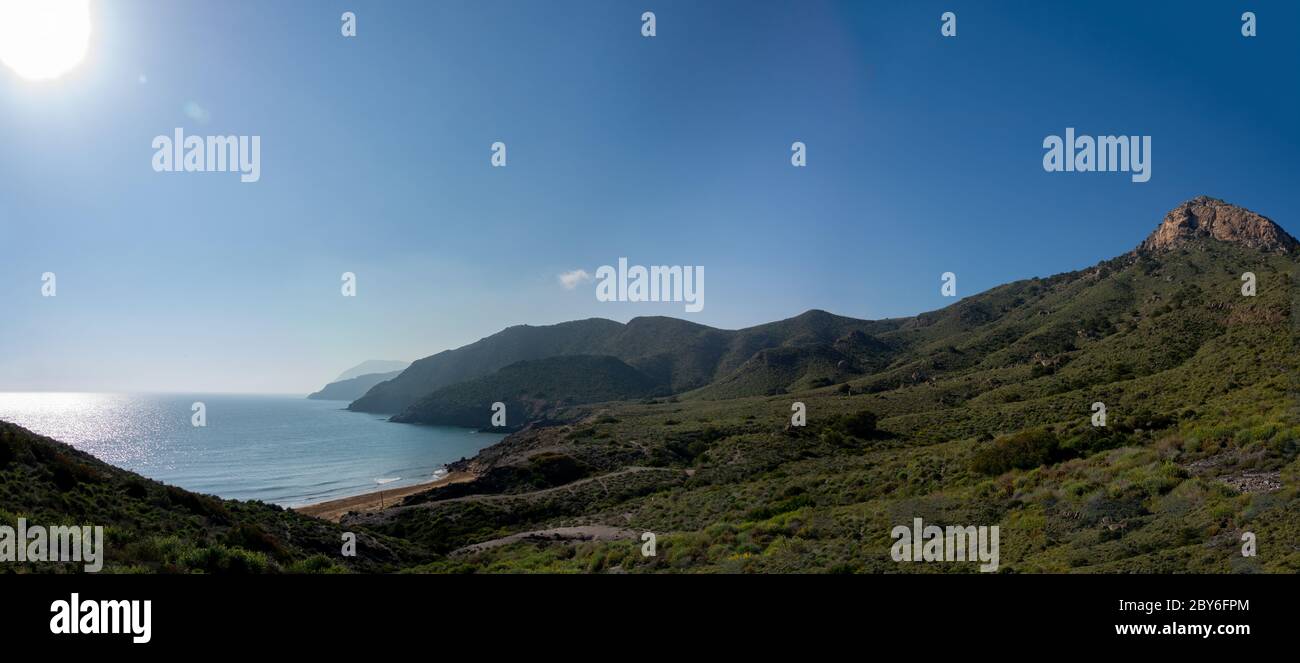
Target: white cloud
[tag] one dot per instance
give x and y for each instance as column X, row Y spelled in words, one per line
column 570, row 280
column 197, row 113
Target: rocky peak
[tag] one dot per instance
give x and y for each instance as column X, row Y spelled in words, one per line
column 1212, row 218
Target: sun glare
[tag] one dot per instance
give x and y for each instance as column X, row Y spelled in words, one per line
column 43, row 39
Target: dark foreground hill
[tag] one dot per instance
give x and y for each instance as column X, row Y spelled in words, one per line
column 153, row 527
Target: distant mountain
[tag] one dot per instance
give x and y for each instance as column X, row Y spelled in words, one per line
column 529, row 389
column 352, row 388
column 675, row 353
column 373, row 366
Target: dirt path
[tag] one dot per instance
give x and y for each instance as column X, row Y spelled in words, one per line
column 488, row 497
column 580, row 533
column 333, row 510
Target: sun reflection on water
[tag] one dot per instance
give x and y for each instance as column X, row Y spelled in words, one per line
column 282, row 449
column 109, row 426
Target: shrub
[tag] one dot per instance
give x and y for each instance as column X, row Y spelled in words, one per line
column 861, row 425
column 582, row 433
column 834, row 438
column 254, row 538
column 220, row 559
column 1019, row 451
column 553, row 469
column 1095, row 439
column 159, row 549
column 135, row 489
column 199, row 505
column 317, row 563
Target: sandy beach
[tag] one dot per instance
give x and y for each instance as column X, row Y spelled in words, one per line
column 333, row 510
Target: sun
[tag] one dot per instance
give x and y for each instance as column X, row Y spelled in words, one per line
column 43, row 39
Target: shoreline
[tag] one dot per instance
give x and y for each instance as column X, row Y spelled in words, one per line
column 334, row 510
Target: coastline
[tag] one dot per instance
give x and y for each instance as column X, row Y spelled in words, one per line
column 334, row 510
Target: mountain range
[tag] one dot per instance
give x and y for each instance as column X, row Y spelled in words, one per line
column 669, row 356
column 356, row 381
column 982, row 412
column 1036, row 321
column 1138, row 415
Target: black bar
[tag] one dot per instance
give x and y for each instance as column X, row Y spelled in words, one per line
column 1068, row 613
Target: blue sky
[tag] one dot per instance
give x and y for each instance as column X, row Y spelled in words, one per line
column 924, row 156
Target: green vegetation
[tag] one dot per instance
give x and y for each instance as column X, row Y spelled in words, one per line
column 151, row 527
column 1020, row 451
column 676, row 355
column 978, row 414
column 530, row 389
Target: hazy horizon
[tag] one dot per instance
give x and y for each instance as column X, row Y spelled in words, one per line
column 375, row 160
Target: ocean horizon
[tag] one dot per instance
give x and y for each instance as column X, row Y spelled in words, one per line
column 278, row 448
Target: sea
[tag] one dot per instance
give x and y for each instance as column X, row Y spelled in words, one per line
column 280, row 449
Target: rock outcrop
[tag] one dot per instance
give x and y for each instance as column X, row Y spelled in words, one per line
column 1205, row 217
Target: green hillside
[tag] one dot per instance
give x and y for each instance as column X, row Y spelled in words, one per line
column 979, row 413
column 481, row 358
column 152, row 527
column 679, row 354
column 531, row 389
